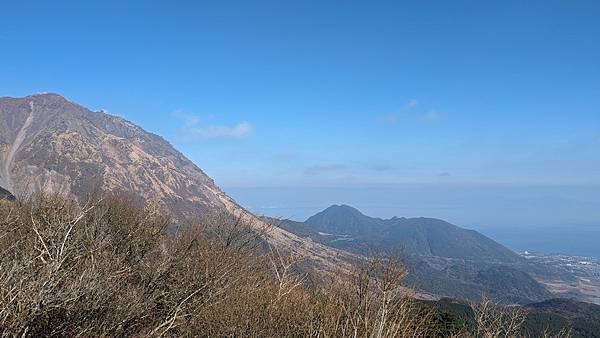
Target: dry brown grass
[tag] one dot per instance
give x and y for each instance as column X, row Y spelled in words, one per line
column 113, row 269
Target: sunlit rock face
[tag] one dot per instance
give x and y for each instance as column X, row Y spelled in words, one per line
column 50, row 144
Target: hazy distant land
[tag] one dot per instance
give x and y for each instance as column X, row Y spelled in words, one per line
column 516, row 216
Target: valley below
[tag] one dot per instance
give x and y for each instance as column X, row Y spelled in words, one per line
column 585, row 271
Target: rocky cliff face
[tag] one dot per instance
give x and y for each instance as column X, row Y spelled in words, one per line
column 50, row 144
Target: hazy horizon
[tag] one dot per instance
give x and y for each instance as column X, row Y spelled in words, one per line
column 329, row 93
column 548, row 219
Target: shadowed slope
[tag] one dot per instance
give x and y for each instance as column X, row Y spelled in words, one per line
column 6, row 195
column 442, row 259
column 421, row 236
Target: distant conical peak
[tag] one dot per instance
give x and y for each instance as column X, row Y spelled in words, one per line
column 343, row 207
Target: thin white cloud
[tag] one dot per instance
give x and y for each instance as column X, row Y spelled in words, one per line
column 395, row 117
column 412, row 103
column 190, row 121
column 432, row 116
column 192, row 127
column 239, row 131
column 389, row 119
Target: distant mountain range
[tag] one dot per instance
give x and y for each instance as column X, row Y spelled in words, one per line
column 442, row 259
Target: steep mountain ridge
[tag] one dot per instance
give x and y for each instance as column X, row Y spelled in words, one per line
column 50, row 144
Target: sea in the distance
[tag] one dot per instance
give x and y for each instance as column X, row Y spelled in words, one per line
column 568, row 240
column 547, row 219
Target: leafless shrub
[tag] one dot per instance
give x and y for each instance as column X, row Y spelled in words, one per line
column 495, row 321
column 564, row 333
column 110, row 268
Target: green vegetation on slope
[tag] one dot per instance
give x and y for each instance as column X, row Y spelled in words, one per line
column 555, row 317
column 441, row 258
column 420, row 236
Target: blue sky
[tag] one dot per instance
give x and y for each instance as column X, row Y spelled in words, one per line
column 332, row 93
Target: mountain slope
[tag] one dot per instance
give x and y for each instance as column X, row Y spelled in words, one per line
column 557, row 314
column 48, row 143
column 421, row 236
column 5, row 194
column 441, row 258
column 544, row 319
